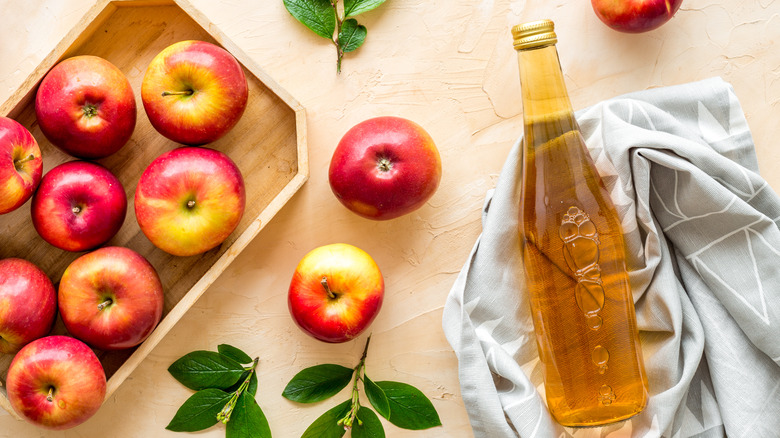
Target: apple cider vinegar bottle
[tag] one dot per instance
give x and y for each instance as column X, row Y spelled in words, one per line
column 573, row 253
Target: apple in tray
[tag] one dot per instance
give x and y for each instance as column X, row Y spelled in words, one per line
column 336, row 292
column 28, row 304
column 189, row 200
column 111, row 298
column 384, row 168
column 78, row 206
column 56, row 382
column 21, row 165
column 86, row 107
column 194, row 92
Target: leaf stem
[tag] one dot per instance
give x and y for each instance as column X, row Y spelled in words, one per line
column 224, row 414
column 360, row 369
column 339, row 21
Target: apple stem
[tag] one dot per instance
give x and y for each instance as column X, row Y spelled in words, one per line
column 190, row 203
column 76, row 210
column 105, row 304
column 324, row 283
column 21, row 161
column 177, row 93
column 50, row 397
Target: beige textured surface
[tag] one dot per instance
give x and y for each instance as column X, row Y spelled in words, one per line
column 448, row 65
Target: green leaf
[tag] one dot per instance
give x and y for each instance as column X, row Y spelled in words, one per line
column 317, row 15
column 199, row 411
column 352, row 35
column 376, row 396
column 247, row 420
column 409, row 407
column 356, row 7
column 234, row 353
column 371, row 427
column 252, row 388
column 326, row 426
column 317, row 383
column 206, row 369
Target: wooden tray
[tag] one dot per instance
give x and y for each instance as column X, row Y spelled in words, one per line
column 268, row 144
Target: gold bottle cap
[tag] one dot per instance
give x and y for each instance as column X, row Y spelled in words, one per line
column 534, row 34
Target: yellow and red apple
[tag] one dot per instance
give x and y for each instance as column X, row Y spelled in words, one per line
column 635, row 16
column 336, row 292
column 21, row 165
column 79, row 205
column 28, row 304
column 56, row 382
column 111, row 298
column 189, row 200
column 384, row 168
column 194, row 92
column 86, row 107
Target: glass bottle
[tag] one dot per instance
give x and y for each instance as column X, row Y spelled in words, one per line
column 573, row 253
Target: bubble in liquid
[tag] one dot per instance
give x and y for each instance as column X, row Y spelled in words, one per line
column 592, row 273
column 606, row 396
column 581, row 252
column 594, row 322
column 587, row 229
column 568, row 231
column 600, row 357
column 590, row 296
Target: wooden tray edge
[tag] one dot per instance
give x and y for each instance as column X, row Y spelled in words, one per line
column 99, row 12
column 93, row 17
column 6, row 405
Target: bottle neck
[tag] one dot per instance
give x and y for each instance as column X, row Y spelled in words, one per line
column 543, row 88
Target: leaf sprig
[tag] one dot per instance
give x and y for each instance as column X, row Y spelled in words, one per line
column 326, row 19
column 226, row 392
column 401, row 404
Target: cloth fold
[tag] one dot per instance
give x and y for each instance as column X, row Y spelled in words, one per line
column 701, row 229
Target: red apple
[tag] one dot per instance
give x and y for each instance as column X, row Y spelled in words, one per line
column 385, row 167
column 56, row 382
column 21, row 165
column 85, row 106
column 28, row 304
column 194, row 92
column 78, row 206
column 336, row 292
column 635, row 16
column 189, row 200
column 111, row 298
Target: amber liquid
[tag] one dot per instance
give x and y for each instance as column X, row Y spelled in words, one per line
column 574, row 260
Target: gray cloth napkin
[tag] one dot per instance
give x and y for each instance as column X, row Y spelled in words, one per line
column 702, row 232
